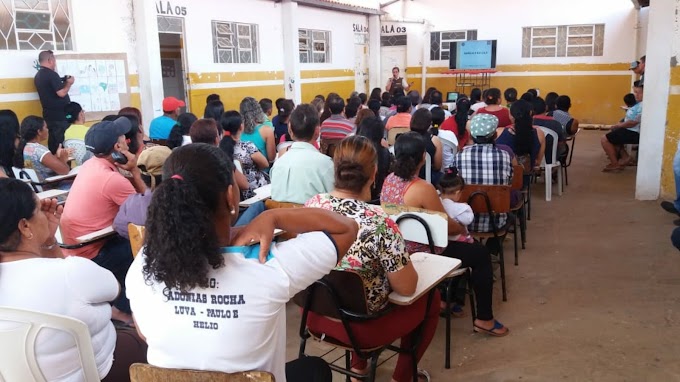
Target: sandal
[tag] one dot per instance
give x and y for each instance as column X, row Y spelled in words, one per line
column 456, row 311
column 496, row 326
column 612, row 168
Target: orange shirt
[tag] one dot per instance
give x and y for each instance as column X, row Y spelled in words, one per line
column 93, row 202
column 399, row 120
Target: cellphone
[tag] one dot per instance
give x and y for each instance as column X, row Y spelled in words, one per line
column 118, row 157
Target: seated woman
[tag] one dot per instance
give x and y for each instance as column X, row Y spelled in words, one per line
column 438, row 117
column 624, row 133
column 380, row 258
column 421, row 123
column 373, row 129
column 9, row 140
column 526, row 142
column 254, row 129
column 73, row 286
column 74, row 137
column 403, row 187
column 493, row 107
column 458, row 123
column 251, row 159
column 179, row 135
column 32, row 154
column 232, row 314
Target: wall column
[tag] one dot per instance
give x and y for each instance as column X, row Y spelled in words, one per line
column 374, row 52
column 662, row 22
column 291, row 51
column 148, row 59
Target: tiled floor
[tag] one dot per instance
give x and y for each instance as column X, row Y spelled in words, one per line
column 595, row 298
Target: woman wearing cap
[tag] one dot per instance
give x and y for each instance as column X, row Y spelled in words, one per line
column 404, row 187
column 32, row 154
column 235, row 304
column 69, row 286
column 254, row 129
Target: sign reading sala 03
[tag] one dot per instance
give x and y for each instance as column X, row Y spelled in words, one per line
column 166, row 8
column 393, row 29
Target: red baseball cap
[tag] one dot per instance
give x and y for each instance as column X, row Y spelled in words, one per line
column 172, row 103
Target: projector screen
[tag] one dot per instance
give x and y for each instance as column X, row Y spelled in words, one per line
column 476, row 54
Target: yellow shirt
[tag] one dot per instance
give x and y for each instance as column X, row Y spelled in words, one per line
column 76, row 132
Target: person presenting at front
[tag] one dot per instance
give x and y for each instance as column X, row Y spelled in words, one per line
column 379, row 256
column 232, row 315
column 396, row 83
column 71, row 286
column 161, row 126
column 53, row 93
column 95, row 198
column 303, row 172
column 624, row 133
column 336, row 126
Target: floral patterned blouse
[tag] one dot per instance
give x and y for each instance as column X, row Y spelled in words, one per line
column 378, row 250
column 243, row 152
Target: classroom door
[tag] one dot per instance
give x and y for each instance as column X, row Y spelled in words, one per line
column 391, row 56
column 173, row 58
column 361, row 62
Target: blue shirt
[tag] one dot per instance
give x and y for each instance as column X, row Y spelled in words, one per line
column 160, row 127
column 634, row 114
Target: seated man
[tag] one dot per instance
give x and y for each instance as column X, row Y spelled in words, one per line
column 624, row 133
column 205, row 131
column 160, row 127
column 561, row 115
column 337, row 126
column 484, row 163
column 542, row 119
column 436, row 100
column 95, row 197
column 303, row 172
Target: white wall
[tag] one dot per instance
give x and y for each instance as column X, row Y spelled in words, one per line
column 342, row 34
column 503, row 21
column 643, row 27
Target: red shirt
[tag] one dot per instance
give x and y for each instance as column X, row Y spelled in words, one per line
column 450, row 125
column 503, row 116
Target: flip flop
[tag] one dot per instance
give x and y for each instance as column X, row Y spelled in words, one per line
column 456, row 311
column 496, row 326
column 615, row 168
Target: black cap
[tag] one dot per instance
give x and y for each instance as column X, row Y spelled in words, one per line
column 101, row 137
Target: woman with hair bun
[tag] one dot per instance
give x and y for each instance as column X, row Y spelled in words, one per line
column 379, row 256
column 493, row 106
column 208, row 297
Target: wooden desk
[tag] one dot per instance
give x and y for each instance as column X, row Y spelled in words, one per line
column 96, row 235
column 431, row 269
column 262, row 193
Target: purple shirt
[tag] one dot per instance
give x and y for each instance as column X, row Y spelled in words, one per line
column 133, row 210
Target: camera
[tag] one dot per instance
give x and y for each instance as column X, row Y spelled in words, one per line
column 64, row 78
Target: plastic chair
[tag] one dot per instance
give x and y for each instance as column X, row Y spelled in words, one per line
column 431, row 228
column 394, row 132
column 19, row 330
column 549, row 166
column 570, row 156
column 141, row 372
column 30, row 175
column 450, row 147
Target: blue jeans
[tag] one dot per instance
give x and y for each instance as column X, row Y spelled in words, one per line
column 676, row 174
column 251, row 213
column 116, row 256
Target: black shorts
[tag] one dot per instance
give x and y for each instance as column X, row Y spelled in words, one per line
column 623, row 136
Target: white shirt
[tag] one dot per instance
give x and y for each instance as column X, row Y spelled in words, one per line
column 447, row 114
column 447, row 152
column 478, row 106
column 74, row 287
column 237, row 324
column 460, row 212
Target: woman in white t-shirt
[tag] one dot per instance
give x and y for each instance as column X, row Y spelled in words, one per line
column 72, row 286
column 202, row 295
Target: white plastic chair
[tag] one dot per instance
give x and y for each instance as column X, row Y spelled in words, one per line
column 450, row 147
column 31, row 175
column 549, row 166
column 80, row 152
column 19, row 330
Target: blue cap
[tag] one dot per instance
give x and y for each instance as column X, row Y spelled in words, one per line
column 101, row 137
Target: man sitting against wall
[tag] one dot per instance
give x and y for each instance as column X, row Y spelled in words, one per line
column 337, row 126
column 303, row 172
column 161, row 126
column 624, row 133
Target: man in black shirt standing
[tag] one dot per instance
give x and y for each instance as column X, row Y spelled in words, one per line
column 53, row 92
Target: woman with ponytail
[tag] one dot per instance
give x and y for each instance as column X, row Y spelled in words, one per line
column 526, row 142
column 379, row 256
column 203, row 295
column 493, row 107
column 251, row 159
column 458, row 122
column 32, row 154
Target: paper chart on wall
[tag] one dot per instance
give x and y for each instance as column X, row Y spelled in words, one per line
column 98, row 83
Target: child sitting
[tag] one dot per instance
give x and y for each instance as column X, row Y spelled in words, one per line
column 451, row 186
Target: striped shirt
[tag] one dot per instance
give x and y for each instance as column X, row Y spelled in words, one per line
column 337, row 127
column 485, row 164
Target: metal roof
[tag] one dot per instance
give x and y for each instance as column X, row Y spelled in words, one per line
column 356, row 6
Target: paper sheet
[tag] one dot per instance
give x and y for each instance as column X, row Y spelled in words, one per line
column 98, row 84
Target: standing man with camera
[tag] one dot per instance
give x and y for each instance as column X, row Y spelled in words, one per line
column 53, row 93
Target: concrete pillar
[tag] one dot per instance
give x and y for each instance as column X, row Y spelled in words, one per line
column 148, row 59
column 291, row 51
column 374, row 64
column 662, row 31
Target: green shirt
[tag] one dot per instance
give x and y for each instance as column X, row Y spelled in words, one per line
column 76, row 132
column 301, row 173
